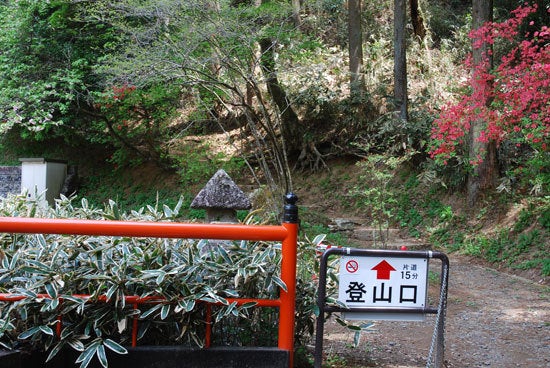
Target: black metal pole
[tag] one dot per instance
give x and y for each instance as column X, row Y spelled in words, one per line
column 290, row 212
column 321, row 301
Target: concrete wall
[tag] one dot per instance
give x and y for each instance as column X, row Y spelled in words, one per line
column 10, row 180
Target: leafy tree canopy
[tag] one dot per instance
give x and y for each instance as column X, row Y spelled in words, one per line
column 46, row 64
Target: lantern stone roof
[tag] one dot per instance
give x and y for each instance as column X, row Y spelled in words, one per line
column 221, row 192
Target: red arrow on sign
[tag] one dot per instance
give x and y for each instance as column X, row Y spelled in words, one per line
column 383, row 270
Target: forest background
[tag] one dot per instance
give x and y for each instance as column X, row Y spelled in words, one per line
column 378, row 104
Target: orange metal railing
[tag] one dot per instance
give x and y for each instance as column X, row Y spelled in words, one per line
column 287, row 233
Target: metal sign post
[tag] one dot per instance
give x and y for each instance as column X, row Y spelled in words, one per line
column 384, row 285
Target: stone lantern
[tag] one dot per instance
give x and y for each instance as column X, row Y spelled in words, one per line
column 221, row 198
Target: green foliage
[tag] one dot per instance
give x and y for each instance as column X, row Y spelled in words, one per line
column 503, row 248
column 132, row 76
column 137, row 120
column 542, row 263
column 533, row 175
column 46, row 66
column 449, row 23
column 438, row 211
column 197, row 164
column 312, row 229
column 105, row 186
column 397, row 136
column 447, row 237
column 451, row 176
column 8, row 157
column 525, row 219
column 374, row 195
column 381, row 197
column 523, row 246
column 544, row 218
column 186, row 273
column 410, row 218
column 132, row 191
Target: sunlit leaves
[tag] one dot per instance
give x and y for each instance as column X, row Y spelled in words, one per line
column 46, row 65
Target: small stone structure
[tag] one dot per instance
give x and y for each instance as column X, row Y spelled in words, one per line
column 39, row 176
column 221, row 198
column 42, row 176
column 10, row 180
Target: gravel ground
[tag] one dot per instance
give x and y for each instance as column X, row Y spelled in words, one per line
column 493, row 320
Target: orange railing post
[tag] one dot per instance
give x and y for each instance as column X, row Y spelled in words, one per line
column 288, row 275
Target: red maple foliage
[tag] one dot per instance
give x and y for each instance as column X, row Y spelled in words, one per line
column 518, row 91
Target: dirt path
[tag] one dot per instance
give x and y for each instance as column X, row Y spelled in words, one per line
column 493, row 320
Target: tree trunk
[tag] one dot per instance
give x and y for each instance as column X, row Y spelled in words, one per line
column 213, row 5
column 290, row 124
column 400, row 60
column 417, row 21
column 485, row 174
column 296, row 13
column 355, row 34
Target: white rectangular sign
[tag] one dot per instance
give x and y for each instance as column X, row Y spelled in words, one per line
column 383, row 282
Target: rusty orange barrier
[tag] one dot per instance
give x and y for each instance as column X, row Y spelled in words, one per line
column 287, row 233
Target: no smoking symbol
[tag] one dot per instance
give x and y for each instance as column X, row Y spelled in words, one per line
column 352, row 266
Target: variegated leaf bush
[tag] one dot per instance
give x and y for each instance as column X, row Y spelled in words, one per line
column 187, row 273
